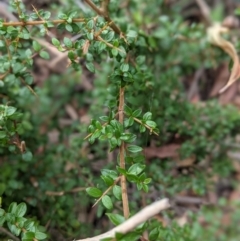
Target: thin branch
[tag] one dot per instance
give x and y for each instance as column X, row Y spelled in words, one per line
column 115, row 28
column 141, row 217
column 205, row 10
column 61, row 193
column 105, row 4
column 122, row 156
column 57, row 21
column 149, row 128
column 109, row 188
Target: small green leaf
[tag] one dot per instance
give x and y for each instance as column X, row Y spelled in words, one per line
column 109, row 36
column 134, row 148
column 94, row 192
column 21, row 209
column 136, row 168
column 115, row 218
column 15, row 230
column 128, row 110
column 40, row 235
column 67, row 42
column 147, row 116
column 147, row 181
column 55, row 42
column 145, row 188
column 12, row 208
column 44, row 54
column 111, row 173
column 2, row 212
column 114, row 52
column 108, row 180
column 128, row 137
column 139, row 186
column 46, row 15
column 2, row 220
column 29, row 79
column 121, row 170
column 3, row 134
column 142, row 128
column 153, row 235
column 124, row 67
column 151, row 124
column 140, row 59
column 137, row 113
column 62, row 16
column 132, row 236
column 131, row 34
column 90, row 24
column 28, row 235
column 10, row 110
column 117, row 192
column 132, row 178
column 36, row 46
column 27, row 156
column 90, row 35
column 107, row 202
column 90, row 67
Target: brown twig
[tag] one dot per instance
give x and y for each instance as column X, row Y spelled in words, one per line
column 141, row 217
column 61, row 193
column 27, row 23
column 115, row 182
column 105, row 4
column 149, row 128
column 122, row 155
column 115, row 28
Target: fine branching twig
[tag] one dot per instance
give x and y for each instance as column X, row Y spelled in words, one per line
column 141, row 217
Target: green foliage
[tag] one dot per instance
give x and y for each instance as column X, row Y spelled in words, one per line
column 19, row 225
column 143, row 62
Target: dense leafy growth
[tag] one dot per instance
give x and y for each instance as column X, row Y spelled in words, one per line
column 70, row 140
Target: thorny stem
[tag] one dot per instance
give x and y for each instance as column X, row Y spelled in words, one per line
column 122, row 158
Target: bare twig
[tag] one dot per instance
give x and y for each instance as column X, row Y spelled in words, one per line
column 142, row 216
column 205, row 10
column 194, row 85
column 61, row 193
column 122, row 155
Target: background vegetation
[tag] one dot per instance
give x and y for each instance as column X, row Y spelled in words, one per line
column 171, row 76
